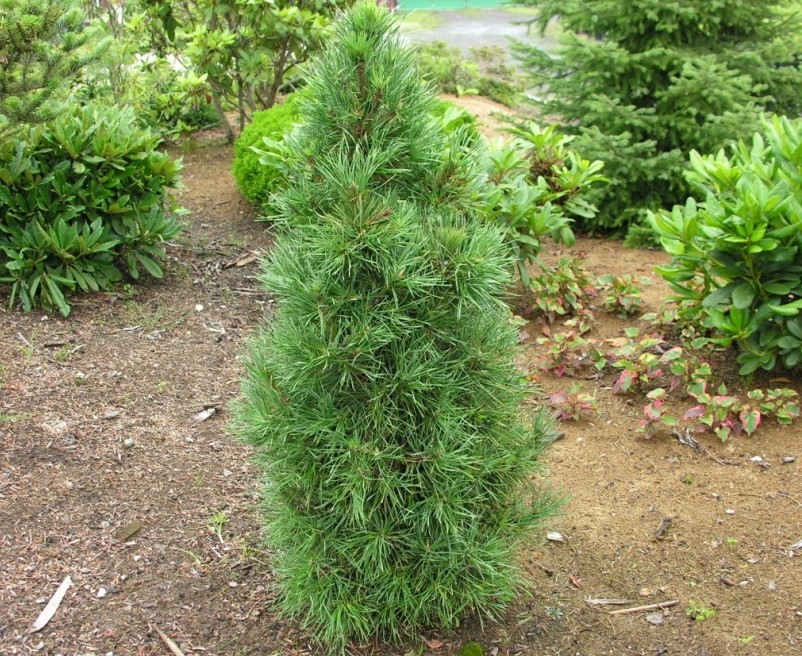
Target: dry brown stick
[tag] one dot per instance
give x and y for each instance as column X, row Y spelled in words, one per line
column 639, row 609
column 686, row 439
column 789, row 497
column 607, row 602
column 548, row 570
column 167, row 641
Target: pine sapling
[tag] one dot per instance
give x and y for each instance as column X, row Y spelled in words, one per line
column 382, row 399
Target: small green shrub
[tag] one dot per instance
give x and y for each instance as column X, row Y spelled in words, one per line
column 566, row 289
column 79, row 196
column 453, row 118
column 485, row 72
column 537, row 186
column 622, row 294
column 255, row 180
column 737, row 256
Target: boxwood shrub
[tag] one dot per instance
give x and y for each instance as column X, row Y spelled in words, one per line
column 82, row 199
column 256, row 181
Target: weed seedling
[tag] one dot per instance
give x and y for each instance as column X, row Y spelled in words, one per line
column 63, row 354
column 217, row 521
column 699, row 612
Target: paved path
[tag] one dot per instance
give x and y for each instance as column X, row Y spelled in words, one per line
column 471, row 28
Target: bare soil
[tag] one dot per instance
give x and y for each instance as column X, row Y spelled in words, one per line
column 489, row 114
column 108, row 475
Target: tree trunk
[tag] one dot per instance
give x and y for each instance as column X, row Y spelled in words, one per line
column 221, row 115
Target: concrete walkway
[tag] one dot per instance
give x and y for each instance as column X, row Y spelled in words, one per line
column 474, row 27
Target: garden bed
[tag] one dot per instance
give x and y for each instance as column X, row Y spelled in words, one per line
column 116, row 469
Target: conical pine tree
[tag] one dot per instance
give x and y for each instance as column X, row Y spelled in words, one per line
column 43, row 43
column 382, row 399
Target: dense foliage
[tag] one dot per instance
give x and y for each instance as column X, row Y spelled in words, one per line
column 382, row 399
column 80, row 198
column 258, row 181
column 248, row 51
column 737, row 254
column 485, row 72
column 165, row 97
column 642, row 82
column 43, row 44
column 536, row 187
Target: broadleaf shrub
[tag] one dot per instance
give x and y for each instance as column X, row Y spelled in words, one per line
column 737, row 252
column 383, row 399
column 537, row 186
column 83, row 199
column 257, row 181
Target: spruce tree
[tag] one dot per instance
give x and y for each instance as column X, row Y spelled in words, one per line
column 642, row 82
column 382, row 399
column 43, row 43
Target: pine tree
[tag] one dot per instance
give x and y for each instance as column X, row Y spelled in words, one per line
column 43, row 43
column 642, row 82
column 382, row 400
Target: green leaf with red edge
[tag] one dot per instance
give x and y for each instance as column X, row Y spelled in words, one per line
column 695, row 412
column 723, row 433
column 697, row 388
column 653, row 411
column 624, row 382
column 750, row 420
column 671, row 355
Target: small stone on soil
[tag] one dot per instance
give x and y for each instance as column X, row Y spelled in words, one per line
column 787, row 460
column 655, row 618
column 203, row 415
column 129, row 442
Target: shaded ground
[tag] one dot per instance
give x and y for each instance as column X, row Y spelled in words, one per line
column 471, row 28
column 107, row 476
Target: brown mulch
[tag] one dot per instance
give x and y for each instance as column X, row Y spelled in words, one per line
column 107, row 476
